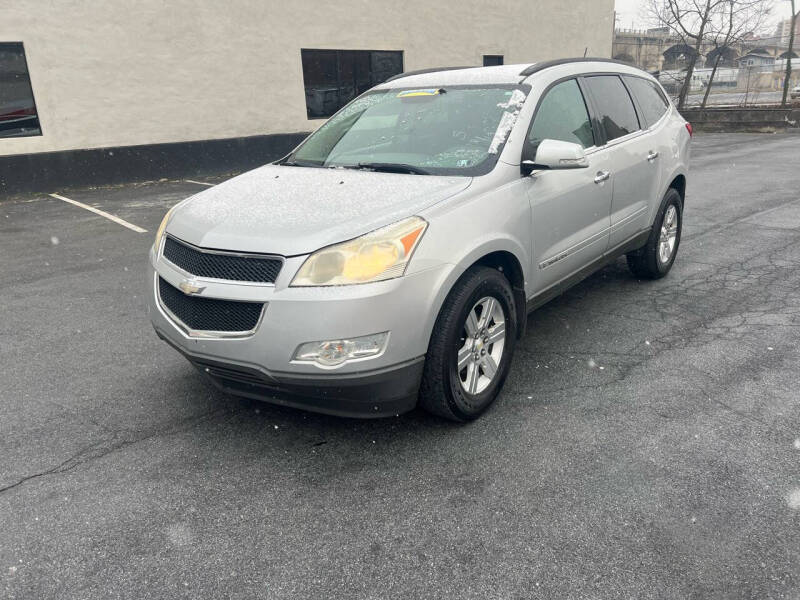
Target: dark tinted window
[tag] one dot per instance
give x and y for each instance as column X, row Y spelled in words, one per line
column 651, row 100
column 492, row 60
column 334, row 77
column 17, row 110
column 614, row 106
column 562, row 115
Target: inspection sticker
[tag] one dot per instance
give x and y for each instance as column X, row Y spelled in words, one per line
column 415, row 93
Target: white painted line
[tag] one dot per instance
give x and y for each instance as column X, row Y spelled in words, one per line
column 200, row 182
column 102, row 213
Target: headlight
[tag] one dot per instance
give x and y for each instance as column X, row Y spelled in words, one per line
column 375, row 256
column 163, row 228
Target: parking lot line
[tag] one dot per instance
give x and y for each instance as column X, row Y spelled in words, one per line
column 199, row 182
column 102, row 213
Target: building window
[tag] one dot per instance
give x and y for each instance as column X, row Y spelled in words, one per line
column 334, row 77
column 18, row 116
column 492, row 60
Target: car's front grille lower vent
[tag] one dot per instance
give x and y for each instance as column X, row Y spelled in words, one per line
column 230, row 373
column 209, row 314
column 216, row 265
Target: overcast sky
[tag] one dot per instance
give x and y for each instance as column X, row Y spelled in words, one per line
column 629, row 13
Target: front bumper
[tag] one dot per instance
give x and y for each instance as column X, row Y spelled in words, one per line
column 369, row 394
column 260, row 365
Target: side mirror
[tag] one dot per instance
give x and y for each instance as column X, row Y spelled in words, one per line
column 555, row 154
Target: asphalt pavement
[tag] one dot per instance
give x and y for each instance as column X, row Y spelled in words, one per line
column 647, row 443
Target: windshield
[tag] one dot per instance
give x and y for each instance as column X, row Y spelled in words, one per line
column 457, row 130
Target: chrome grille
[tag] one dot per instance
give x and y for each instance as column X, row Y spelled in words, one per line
column 209, row 314
column 220, row 265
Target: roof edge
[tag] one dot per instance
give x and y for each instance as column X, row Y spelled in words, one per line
column 423, row 71
column 541, row 66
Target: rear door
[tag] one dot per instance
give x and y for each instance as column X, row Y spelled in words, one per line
column 653, row 107
column 569, row 208
column 632, row 152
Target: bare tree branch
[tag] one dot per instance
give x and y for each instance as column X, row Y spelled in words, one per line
column 696, row 21
column 737, row 19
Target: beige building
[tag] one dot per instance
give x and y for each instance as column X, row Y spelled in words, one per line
column 88, row 74
column 784, row 30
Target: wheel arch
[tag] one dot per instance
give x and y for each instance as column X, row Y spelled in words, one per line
column 511, row 268
column 676, row 180
column 508, row 256
column 678, row 184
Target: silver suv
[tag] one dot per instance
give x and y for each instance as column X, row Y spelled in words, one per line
column 392, row 258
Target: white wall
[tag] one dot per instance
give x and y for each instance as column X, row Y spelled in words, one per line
column 113, row 73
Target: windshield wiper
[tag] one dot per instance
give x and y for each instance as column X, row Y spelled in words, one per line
column 390, row 168
column 299, row 163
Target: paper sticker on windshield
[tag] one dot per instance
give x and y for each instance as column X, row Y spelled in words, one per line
column 417, row 93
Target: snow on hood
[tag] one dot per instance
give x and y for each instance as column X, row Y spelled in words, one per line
column 296, row 210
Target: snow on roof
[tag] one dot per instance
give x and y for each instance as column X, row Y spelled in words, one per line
column 504, row 74
column 474, row 75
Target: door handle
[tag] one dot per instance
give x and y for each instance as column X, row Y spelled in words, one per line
column 602, row 176
column 652, row 156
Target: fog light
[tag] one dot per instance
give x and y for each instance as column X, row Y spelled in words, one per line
column 331, row 353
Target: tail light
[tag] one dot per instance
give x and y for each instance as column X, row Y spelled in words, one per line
column 690, row 129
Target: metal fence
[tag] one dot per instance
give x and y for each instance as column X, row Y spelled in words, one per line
column 746, row 85
column 749, row 73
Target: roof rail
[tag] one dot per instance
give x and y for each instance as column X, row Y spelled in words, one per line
column 423, row 71
column 541, row 66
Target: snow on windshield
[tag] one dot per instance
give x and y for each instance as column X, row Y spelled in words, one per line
column 437, row 130
column 512, row 108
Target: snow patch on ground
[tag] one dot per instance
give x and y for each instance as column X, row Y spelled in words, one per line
column 180, row 534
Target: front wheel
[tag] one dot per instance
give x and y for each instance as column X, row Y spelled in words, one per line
column 655, row 258
column 471, row 346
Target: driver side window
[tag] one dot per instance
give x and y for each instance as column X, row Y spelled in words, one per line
column 562, row 116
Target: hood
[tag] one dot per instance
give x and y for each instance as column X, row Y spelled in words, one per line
column 297, row 210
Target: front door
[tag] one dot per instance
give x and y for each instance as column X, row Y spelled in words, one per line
column 570, row 208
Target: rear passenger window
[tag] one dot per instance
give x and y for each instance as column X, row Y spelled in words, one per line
column 614, row 106
column 562, row 115
column 649, row 97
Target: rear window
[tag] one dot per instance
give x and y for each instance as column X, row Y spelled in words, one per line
column 614, row 106
column 649, row 97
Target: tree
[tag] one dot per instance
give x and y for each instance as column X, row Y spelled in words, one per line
column 786, row 81
column 690, row 20
column 736, row 19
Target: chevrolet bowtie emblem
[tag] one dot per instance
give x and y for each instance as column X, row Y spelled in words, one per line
column 189, row 286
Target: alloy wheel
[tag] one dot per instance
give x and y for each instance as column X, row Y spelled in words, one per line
column 669, row 235
column 482, row 345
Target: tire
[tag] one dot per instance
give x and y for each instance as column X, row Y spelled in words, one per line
column 651, row 261
column 463, row 394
